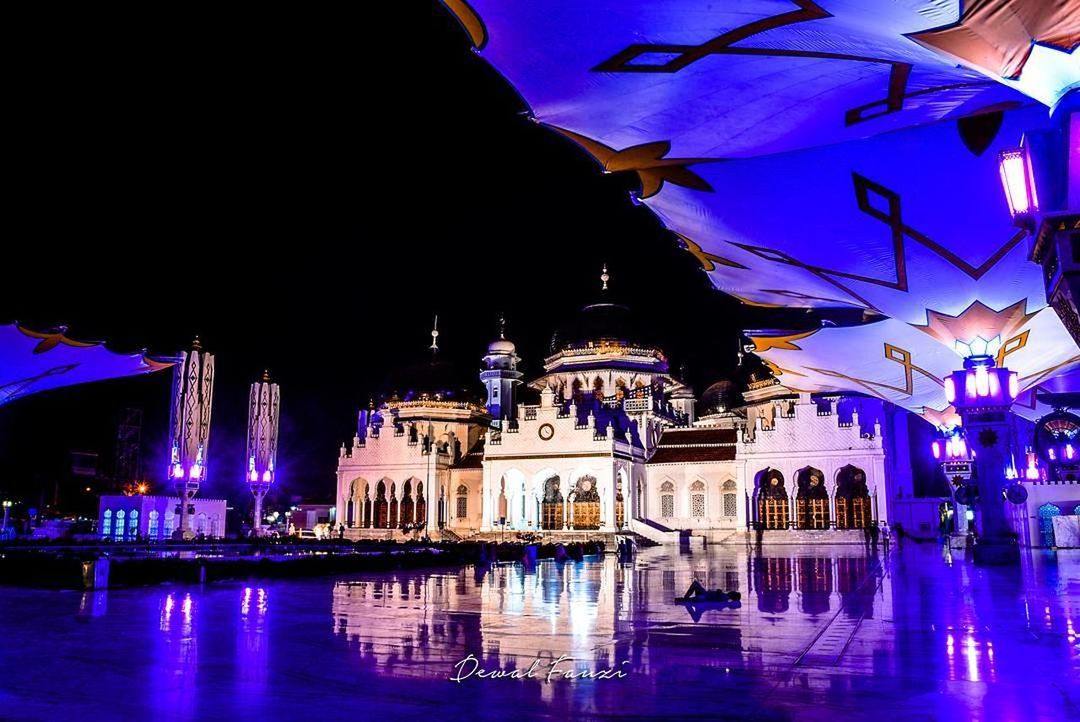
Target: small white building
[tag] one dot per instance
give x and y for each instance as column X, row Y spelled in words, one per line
column 153, row 518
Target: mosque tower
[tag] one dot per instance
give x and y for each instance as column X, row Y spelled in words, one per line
column 501, row 377
column 262, row 437
column 189, row 428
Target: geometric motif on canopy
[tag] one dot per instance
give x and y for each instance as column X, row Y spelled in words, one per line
column 34, row 361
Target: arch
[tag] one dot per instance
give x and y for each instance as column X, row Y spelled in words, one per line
column 1047, row 512
column 620, row 506
column 118, row 527
column 407, row 506
column 133, row 524
column 201, row 528
column 366, row 511
column 598, row 387
column 772, row 501
column 502, row 506
column 393, row 513
column 421, row 504
column 852, row 499
column 152, row 529
column 462, row 510
column 106, row 524
column 551, row 505
column 697, row 499
column 170, row 523
column 381, row 506
column 667, row 500
column 811, row 499
column 586, row 503
column 215, row 525
column 576, row 391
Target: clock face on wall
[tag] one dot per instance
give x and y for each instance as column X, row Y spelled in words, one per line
column 546, row 431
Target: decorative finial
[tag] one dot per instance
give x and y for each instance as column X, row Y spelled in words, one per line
column 196, row 344
column 266, row 376
column 605, row 278
column 502, row 326
column 435, row 336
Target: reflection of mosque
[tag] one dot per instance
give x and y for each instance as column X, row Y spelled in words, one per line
column 603, row 613
column 616, row 443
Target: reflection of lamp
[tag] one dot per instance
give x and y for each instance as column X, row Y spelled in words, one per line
column 1018, row 181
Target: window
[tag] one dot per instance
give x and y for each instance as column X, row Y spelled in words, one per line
column 667, row 500
column 152, row 529
column 215, row 520
column 106, row 524
column 133, row 524
column 697, row 499
column 730, row 505
column 201, row 528
column 170, row 523
column 118, row 530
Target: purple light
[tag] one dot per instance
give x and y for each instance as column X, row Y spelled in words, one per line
column 266, row 475
column 254, row 475
column 178, row 471
column 950, row 390
column 1069, row 452
column 936, row 448
column 1016, row 179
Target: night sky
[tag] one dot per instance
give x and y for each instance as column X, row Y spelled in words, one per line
column 305, row 197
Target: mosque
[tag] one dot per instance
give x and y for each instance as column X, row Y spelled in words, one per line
column 616, row 444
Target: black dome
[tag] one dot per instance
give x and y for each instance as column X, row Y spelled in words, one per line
column 433, row 379
column 598, row 322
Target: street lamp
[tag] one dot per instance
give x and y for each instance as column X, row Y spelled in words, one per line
column 7, row 508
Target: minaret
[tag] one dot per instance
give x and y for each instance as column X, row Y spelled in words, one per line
column 262, row 436
column 189, row 428
column 500, row 376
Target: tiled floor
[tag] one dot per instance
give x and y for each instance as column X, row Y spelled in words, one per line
column 830, row 633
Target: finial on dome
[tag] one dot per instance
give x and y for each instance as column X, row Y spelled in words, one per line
column 502, row 326
column 604, row 277
column 266, row 376
column 196, row 344
column 435, row 336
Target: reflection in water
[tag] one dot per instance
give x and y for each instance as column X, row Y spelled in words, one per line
column 822, row 633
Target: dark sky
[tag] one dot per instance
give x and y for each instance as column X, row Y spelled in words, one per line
column 305, row 193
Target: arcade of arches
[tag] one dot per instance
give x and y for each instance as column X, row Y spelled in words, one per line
column 846, row 506
column 387, row 505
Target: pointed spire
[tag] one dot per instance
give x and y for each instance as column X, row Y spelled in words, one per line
column 604, row 278
column 435, row 337
column 502, row 326
column 196, row 345
column 266, row 376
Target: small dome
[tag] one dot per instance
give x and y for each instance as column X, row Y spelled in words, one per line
column 502, row 346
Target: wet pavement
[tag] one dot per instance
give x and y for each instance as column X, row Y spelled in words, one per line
column 824, row 633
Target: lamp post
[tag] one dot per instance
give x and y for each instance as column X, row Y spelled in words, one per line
column 982, row 393
column 264, row 402
column 7, row 510
column 189, row 428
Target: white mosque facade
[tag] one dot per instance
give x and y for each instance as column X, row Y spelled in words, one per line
column 614, row 445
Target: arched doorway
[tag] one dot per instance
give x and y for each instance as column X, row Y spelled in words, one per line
column 366, row 511
column 381, row 507
column 551, row 508
column 503, row 504
column 406, row 504
column 421, row 505
column 393, row 517
column 772, row 500
column 811, row 500
column 586, row 504
column 1047, row 512
column 620, row 511
column 852, row 499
